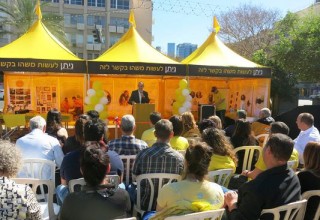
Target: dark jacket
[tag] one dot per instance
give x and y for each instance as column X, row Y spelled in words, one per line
column 272, row 188
column 135, row 97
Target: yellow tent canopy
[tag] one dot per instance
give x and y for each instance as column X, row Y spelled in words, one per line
column 213, row 58
column 132, row 55
column 39, row 51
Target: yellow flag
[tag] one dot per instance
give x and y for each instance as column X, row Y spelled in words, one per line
column 131, row 19
column 216, row 25
column 38, row 10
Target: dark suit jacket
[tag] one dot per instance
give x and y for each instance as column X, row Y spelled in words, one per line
column 135, row 97
column 273, row 187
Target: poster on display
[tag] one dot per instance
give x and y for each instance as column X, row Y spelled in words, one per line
column 260, row 99
column 46, row 98
column 71, row 95
column 19, row 98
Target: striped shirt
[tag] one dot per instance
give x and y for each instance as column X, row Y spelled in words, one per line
column 160, row 158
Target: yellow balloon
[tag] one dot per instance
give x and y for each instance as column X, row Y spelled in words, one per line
column 97, row 85
column 94, row 100
column 178, row 92
column 183, row 84
column 176, row 105
column 103, row 115
column 181, row 98
column 88, row 108
column 99, row 93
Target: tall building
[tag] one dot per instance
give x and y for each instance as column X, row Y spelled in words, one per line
column 171, row 50
column 185, row 49
column 82, row 17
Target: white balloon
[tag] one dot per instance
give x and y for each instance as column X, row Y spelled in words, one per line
column 87, row 100
column 98, row 107
column 182, row 110
column 91, row 92
column 185, row 92
column 189, row 98
column 187, row 105
column 104, row 101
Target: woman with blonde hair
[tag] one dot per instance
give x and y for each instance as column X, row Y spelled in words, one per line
column 310, row 177
column 216, row 120
column 223, row 156
column 189, row 127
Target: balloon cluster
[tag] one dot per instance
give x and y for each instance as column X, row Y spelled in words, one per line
column 182, row 98
column 96, row 99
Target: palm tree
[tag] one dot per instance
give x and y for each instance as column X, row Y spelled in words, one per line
column 20, row 15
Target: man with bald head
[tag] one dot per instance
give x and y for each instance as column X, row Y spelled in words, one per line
column 139, row 96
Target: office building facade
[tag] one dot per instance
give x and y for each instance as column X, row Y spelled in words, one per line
column 171, row 50
column 82, row 17
column 185, row 49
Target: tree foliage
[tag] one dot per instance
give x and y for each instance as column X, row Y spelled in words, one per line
column 246, row 28
column 298, row 46
column 19, row 15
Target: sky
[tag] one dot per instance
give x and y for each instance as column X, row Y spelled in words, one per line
column 189, row 21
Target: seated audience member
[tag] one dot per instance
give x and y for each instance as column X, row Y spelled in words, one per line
column 223, row 156
column 276, row 128
column 309, row 132
column 310, row 177
column 76, row 142
column 128, row 144
column 160, row 158
column 54, row 126
column 189, row 127
column 262, row 125
column 93, row 114
column 217, row 121
column 242, row 137
column 148, row 135
column 206, row 123
column 40, row 145
column 17, row 201
column 70, row 168
column 98, row 199
column 276, row 186
column 179, row 197
column 241, row 114
column 178, row 142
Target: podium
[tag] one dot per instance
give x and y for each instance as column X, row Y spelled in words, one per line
column 205, row 111
column 141, row 113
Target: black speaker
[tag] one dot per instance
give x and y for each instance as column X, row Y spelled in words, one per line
column 205, row 111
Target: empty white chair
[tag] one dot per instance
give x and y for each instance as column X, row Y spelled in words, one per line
column 220, row 177
column 289, row 210
column 150, row 178
column 49, row 210
column 249, row 152
column 307, row 195
column 262, row 138
column 128, row 161
column 212, row 214
column 38, row 168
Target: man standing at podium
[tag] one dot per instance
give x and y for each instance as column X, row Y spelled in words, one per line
column 139, row 96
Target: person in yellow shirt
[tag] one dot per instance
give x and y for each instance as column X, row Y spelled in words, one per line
column 218, row 99
column 148, row 135
column 178, row 142
column 260, row 166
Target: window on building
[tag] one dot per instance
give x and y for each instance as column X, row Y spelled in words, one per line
column 90, row 20
column 74, row 2
column 90, row 39
column 67, row 18
column 96, row 20
column 114, row 21
column 79, row 39
column 89, row 56
column 120, row 4
column 80, row 55
column 96, row 55
column 101, row 3
column 66, row 1
column 91, row 2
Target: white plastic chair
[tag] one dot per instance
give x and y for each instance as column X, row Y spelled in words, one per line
column 290, row 210
column 126, row 159
column 249, row 152
column 75, row 182
column 49, row 210
column 265, row 138
column 150, row 178
column 212, row 214
column 112, row 179
column 220, row 177
column 306, row 195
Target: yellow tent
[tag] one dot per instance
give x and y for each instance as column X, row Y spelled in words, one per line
column 39, row 51
column 34, row 68
column 213, row 58
column 245, row 84
column 132, row 55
